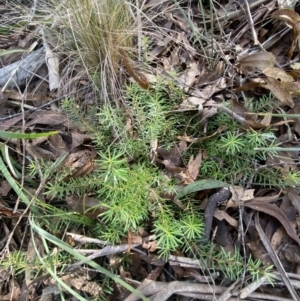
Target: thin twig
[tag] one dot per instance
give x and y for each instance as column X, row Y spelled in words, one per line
column 254, row 35
column 43, row 105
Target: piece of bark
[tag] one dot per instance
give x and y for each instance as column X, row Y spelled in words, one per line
column 22, row 70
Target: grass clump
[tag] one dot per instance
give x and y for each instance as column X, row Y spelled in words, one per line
column 87, row 36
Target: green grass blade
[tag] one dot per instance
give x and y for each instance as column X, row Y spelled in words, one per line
column 200, row 185
column 15, row 185
column 11, row 51
column 80, row 257
column 282, row 149
column 12, row 135
column 54, row 276
column 288, row 115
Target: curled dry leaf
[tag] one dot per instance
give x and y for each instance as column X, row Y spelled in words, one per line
column 191, row 104
column 212, row 76
column 266, row 121
column 80, row 162
column 48, row 119
column 192, row 170
column 172, row 159
column 277, row 81
column 279, row 238
column 238, row 194
column 51, row 147
column 267, row 199
column 293, row 20
column 222, row 215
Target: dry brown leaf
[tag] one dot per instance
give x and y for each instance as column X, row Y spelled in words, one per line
column 208, row 91
column 80, row 162
column 253, row 125
column 266, row 121
column 207, row 113
column 287, row 15
column 48, row 118
column 191, row 104
column 189, row 76
column 294, row 197
column 292, row 253
column 222, row 215
column 4, row 188
column 83, row 283
column 191, row 172
column 149, row 244
column 74, row 139
column 171, row 166
column 212, row 76
column 91, row 207
column 278, row 74
column 9, row 211
column 16, row 95
column 179, row 20
column 295, row 73
column 9, row 123
column 279, row 91
column 39, row 148
column 266, row 199
column 258, row 61
column 172, row 159
column 248, row 86
column 47, row 147
column 293, row 88
column 241, row 110
column 258, row 251
column 279, row 238
column 277, row 213
column 238, row 194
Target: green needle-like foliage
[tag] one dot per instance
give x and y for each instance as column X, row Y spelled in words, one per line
column 132, row 189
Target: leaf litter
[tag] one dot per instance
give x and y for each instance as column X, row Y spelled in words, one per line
column 233, row 75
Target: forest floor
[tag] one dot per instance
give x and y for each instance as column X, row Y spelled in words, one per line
column 149, row 150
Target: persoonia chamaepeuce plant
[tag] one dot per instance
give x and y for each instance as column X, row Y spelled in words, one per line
column 130, row 188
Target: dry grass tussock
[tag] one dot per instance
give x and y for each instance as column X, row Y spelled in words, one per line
column 88, row 33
